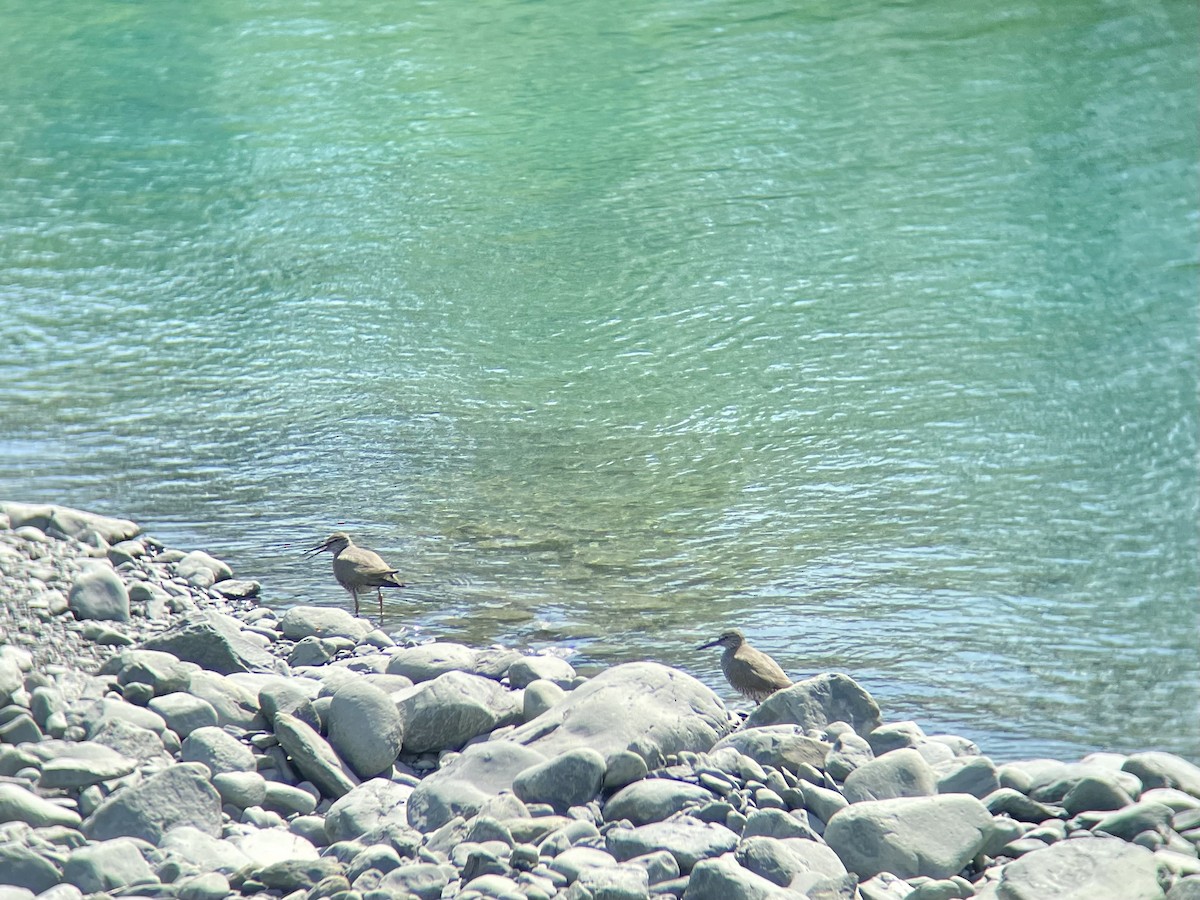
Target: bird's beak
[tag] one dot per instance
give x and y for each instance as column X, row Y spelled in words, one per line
column 313, row 551
column 709, row 644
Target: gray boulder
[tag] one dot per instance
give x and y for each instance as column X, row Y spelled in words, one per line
column 975, row 775
column 365, row 728
column 1095, row 792
column 267, row 846
column 849, row 751
column 776, row 823
column 302, row 622
column 1051, row 781
column 782, row 862
column 107, row 866
column 1086, row 868
column 528, row 669
column 1156, row 769
column 623, row 768
column 215, row 642
column 130, row 740
column 218, row 750
column 428, row 661
column 540, row 696
column 366, row 808
column 290, row 698
column 816, row 702
column 822, row 801
column 190, row 846
column 781, row 746
column 895, row 736
column 178, row 795
column 462, row 786
column 722, row 878
column 77, row 764
column 313, row 757
column 75, row 523
column 233, row 704
column 201, row 570
column 236, row 589
column 98, row 593
column 20, row 805
column 910, row 836
column 163, row 672
column 900, row 773
column 1131, row 821
column 241, row 789
column 688, row 840
column 425, row 881
column 451, row 709
column 653, row 800
column 23, row 868
column 570, row 779
column 645, row 707
column 11, row 678
column 184, row 713
column 1187, row 888
column 615, row 882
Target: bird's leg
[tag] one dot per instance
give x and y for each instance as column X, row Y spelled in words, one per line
column 379, row 591
column 354, row 594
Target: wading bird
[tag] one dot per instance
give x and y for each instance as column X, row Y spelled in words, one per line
column 357, row 568
column 751, row 672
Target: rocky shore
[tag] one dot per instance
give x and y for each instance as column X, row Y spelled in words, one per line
column 163, row 736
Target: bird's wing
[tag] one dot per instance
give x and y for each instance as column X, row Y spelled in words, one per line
column 367, row 567
column 760, row 674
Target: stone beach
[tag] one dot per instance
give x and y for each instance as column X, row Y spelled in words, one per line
column 163, row 735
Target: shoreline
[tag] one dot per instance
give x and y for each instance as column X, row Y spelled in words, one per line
column 162, row 735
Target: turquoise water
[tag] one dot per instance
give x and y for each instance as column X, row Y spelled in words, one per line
column 869, row 328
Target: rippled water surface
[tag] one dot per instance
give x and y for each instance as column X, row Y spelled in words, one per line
column 869, row 328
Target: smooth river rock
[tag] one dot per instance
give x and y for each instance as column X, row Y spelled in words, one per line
column 365, row 728
column 214, row 641
column 688, row 840
column 313, row 757
column 570, row 779
column 178, row 795
column 20, row 805
column 451, row 709
column 910, row 836
column 99, row 593
column 217, row 749
column 1086, row 868
column 645, row 707
column 302, row 622
column 428, row 661
column 653, row 800
column 816, row 702
column 900, row 773
column 462, row 786
column 781, row 746
column 365, row 808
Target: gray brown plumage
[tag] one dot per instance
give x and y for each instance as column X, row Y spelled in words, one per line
column 356, row 568
column 750, row 672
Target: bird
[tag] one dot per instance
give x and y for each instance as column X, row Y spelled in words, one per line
column 356, row 568
column 750, row 672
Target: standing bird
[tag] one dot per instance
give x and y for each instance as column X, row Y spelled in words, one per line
column 751, row 672
column 356, row 568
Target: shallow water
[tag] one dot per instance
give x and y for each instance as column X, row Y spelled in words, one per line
column 869, row 329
